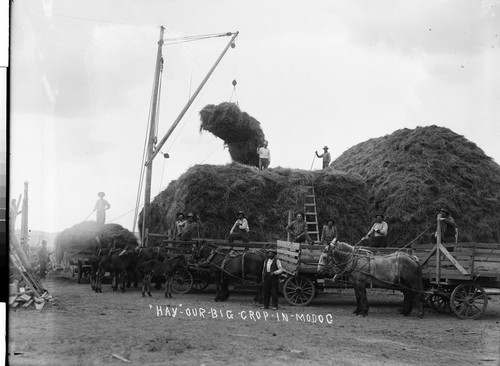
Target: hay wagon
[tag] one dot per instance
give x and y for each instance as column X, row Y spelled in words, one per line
column 302, row 282
column 456, row 276
column 78, row 264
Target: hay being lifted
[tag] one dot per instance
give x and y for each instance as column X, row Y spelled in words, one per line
column 82, row 238
column 216, row 193
column 412, row 173
column 241, row 132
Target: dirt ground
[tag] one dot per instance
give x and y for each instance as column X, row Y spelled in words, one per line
column 84, row 328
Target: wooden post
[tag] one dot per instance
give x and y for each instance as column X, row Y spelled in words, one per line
column 438, row 249
column 24, row 222
column 152, row 136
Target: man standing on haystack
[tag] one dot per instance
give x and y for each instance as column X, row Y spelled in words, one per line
column 100, row 208
column 264, row 156
column 240, row 229
column 379, row 231
column 326, row 157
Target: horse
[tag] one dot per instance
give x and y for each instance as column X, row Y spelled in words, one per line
column 225, row 266
column 166, row 268
column 398, row 271
column 119, row 262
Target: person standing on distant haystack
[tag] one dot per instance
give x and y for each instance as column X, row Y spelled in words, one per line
column 448, row 227
column 191, row 228
column 100, row 208
column 240, row 229
column 379, row 231
column 180, row 226
column 298, row 230
column 329, row 233
column 326, row 157
column 264, row 156
column 43, row 258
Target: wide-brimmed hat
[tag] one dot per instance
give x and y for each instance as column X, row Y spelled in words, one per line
column 240, row 213
column 101, row 194
column 445, row 210
column 379, row 214
column 325, row 147
column 299, row 213
column 190, row 214
column 272, row 250
column 180, row 213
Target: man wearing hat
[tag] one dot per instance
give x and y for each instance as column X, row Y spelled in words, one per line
column 180, row 226
column 298, row 230
column 264, row 156
column 448, row 226
column 326, row 157
column 271, row 279
column 240, row 229
column 379, row 232
column 100, row 208
column 191, row 228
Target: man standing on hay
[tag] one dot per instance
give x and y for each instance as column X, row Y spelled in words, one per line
column 326, row 157
column 264, row 156
column 379, row 231
column 298, row 230
column 240, row 229
column 100, row 208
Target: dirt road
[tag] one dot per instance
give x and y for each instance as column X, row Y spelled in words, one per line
column 85, row 328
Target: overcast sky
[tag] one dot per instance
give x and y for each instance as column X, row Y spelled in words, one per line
column 316, row 73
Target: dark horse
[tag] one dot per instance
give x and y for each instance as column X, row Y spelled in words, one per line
column 398, row 271
column 224, row 267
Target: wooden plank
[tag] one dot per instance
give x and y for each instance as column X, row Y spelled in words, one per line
column 481, row 251
column 487, row 267
column 289, row 245
column 288, row 260
column 487, row 258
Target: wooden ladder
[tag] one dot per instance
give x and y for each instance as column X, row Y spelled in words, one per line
column 311, row 216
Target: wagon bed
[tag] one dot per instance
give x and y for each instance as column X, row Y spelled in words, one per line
column 300, row 266
column 456, row 275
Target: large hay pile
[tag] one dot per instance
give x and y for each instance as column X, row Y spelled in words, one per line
column 412, row 173
column 216, row 193
column 81, row 238
column 241, row 132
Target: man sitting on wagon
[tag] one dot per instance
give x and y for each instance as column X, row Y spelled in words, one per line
column 298, row 230
column 191, row 228
column 379, row 232
column 240, row 229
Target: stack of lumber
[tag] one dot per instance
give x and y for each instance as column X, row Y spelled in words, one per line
column 31, row 293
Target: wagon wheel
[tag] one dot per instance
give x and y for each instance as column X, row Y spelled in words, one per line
column 201, row 280
column 440, row 302
column 298, row 290
column 182, row 281
column 468, row 301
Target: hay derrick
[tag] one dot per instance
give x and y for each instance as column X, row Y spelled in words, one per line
column 412, row 173
column 216, row 193
column 241, row 132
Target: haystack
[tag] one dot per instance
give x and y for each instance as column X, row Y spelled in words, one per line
column 81, row 238
column 241, row 132
column 412, row 173
column 217, row 192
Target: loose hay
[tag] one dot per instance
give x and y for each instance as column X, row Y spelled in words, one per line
column 217, row 192
column 412, row 173
column 241, row 132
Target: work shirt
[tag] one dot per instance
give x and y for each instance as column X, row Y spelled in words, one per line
column 264, row 153
column 382, row 226
column 241, row 224
column 297, row 227
column 102, row 205
column 277, row 264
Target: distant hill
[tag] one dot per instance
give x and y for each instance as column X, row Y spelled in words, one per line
column 412, row 173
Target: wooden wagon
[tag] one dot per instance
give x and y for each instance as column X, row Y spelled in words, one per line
column 300, row 271
column 456, row 275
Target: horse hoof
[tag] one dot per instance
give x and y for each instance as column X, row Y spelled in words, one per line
column 170, row 295
column 143, row 295
column 149, row 293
